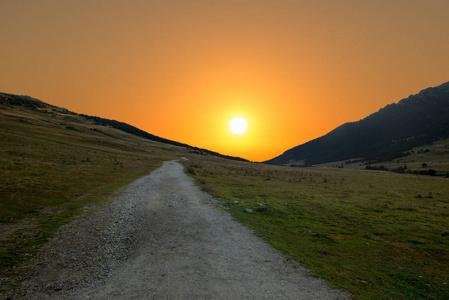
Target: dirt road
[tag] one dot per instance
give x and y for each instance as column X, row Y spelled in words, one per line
column 165, row 239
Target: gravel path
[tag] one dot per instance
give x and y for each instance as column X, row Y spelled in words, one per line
column 163, row 238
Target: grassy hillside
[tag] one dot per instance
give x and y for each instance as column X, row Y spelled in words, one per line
column 380, row 235
column 54, row 163
column 36, row 104
column 385, row 135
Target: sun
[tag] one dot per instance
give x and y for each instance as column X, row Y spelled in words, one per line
column 238, row 125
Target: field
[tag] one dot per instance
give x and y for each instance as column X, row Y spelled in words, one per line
column 54, row 165
column 376, row 234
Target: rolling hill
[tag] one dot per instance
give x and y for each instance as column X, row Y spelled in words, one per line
column 382, row 136
column 33, row 103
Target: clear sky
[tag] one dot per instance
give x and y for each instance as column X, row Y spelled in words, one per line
column 182, row 70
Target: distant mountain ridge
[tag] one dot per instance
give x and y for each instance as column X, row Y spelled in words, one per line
column 414, row 121
column 30, row 102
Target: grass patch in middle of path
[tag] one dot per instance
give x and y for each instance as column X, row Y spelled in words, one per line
column 376, row 234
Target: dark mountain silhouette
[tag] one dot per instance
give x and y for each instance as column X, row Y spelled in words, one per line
column 387, row 134
column 32, row 103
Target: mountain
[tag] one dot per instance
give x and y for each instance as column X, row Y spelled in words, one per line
column 33, row 103
column 382, row 136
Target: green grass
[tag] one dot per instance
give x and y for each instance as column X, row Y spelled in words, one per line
column 379, row 235
column 419, row 159
column 375, row 234
column 53, row 166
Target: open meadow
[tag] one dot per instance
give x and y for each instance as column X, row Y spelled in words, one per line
column 376, row 234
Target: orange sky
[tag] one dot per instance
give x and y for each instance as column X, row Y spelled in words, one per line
column 182, row 69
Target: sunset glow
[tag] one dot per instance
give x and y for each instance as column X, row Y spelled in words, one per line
column 182, row 70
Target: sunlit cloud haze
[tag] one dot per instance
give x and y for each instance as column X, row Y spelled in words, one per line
column 183, row 69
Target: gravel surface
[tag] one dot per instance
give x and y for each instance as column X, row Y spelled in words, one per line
column 163, row 238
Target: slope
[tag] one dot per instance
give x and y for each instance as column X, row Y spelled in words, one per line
column 33, row 103
column 417, row 120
